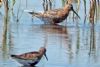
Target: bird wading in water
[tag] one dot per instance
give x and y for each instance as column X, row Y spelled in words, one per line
column 54, row 16
column 30, row 58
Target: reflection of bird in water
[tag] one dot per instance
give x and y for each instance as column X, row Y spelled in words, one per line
column 54, row 29
column 55, row 16
column 30, row 58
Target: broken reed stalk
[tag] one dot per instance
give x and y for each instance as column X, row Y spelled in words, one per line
column 92, row 10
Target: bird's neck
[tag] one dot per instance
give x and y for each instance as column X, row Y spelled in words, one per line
column 66, row 10
column 41, row 53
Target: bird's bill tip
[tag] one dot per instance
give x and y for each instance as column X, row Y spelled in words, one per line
column 12, row 55
column 76, row 13
column 46, row 56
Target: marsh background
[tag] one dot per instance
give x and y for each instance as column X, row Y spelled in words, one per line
column 72, row 43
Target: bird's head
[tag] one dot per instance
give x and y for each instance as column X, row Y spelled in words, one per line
column 70, row 8
column 42, row 51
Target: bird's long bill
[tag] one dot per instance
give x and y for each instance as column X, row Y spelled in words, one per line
column 46, row 56
column 76, row 13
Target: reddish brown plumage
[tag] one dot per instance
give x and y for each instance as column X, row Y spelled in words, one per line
column 34, row 56
column 56, row 15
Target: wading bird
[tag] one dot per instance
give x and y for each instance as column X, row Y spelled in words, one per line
column 30, row 58
column 54, row 16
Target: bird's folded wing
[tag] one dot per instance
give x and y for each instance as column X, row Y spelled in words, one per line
column 28, row 56
column 53, row 13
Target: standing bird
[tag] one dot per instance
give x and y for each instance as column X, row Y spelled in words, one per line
column 54, row 16
column 30, row 58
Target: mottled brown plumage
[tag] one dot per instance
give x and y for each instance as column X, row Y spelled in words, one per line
column 30, row 58
column 56, row 15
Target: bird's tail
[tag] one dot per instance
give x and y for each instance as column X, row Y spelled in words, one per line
column 31, row 12
column 13, row 56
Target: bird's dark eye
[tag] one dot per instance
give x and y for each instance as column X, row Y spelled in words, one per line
column 71, row 6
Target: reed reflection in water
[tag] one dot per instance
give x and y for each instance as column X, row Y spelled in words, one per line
column 73, row 45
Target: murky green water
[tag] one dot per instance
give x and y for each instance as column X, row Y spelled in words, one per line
column 69, row 44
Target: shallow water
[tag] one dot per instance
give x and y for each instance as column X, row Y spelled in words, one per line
column 69, row 44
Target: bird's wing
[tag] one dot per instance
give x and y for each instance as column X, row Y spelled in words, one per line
column 47, row 14
column 30, row 55
column 27, row 56
column 53, row 13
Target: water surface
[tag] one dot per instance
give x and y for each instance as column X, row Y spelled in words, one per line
column 72, row 43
